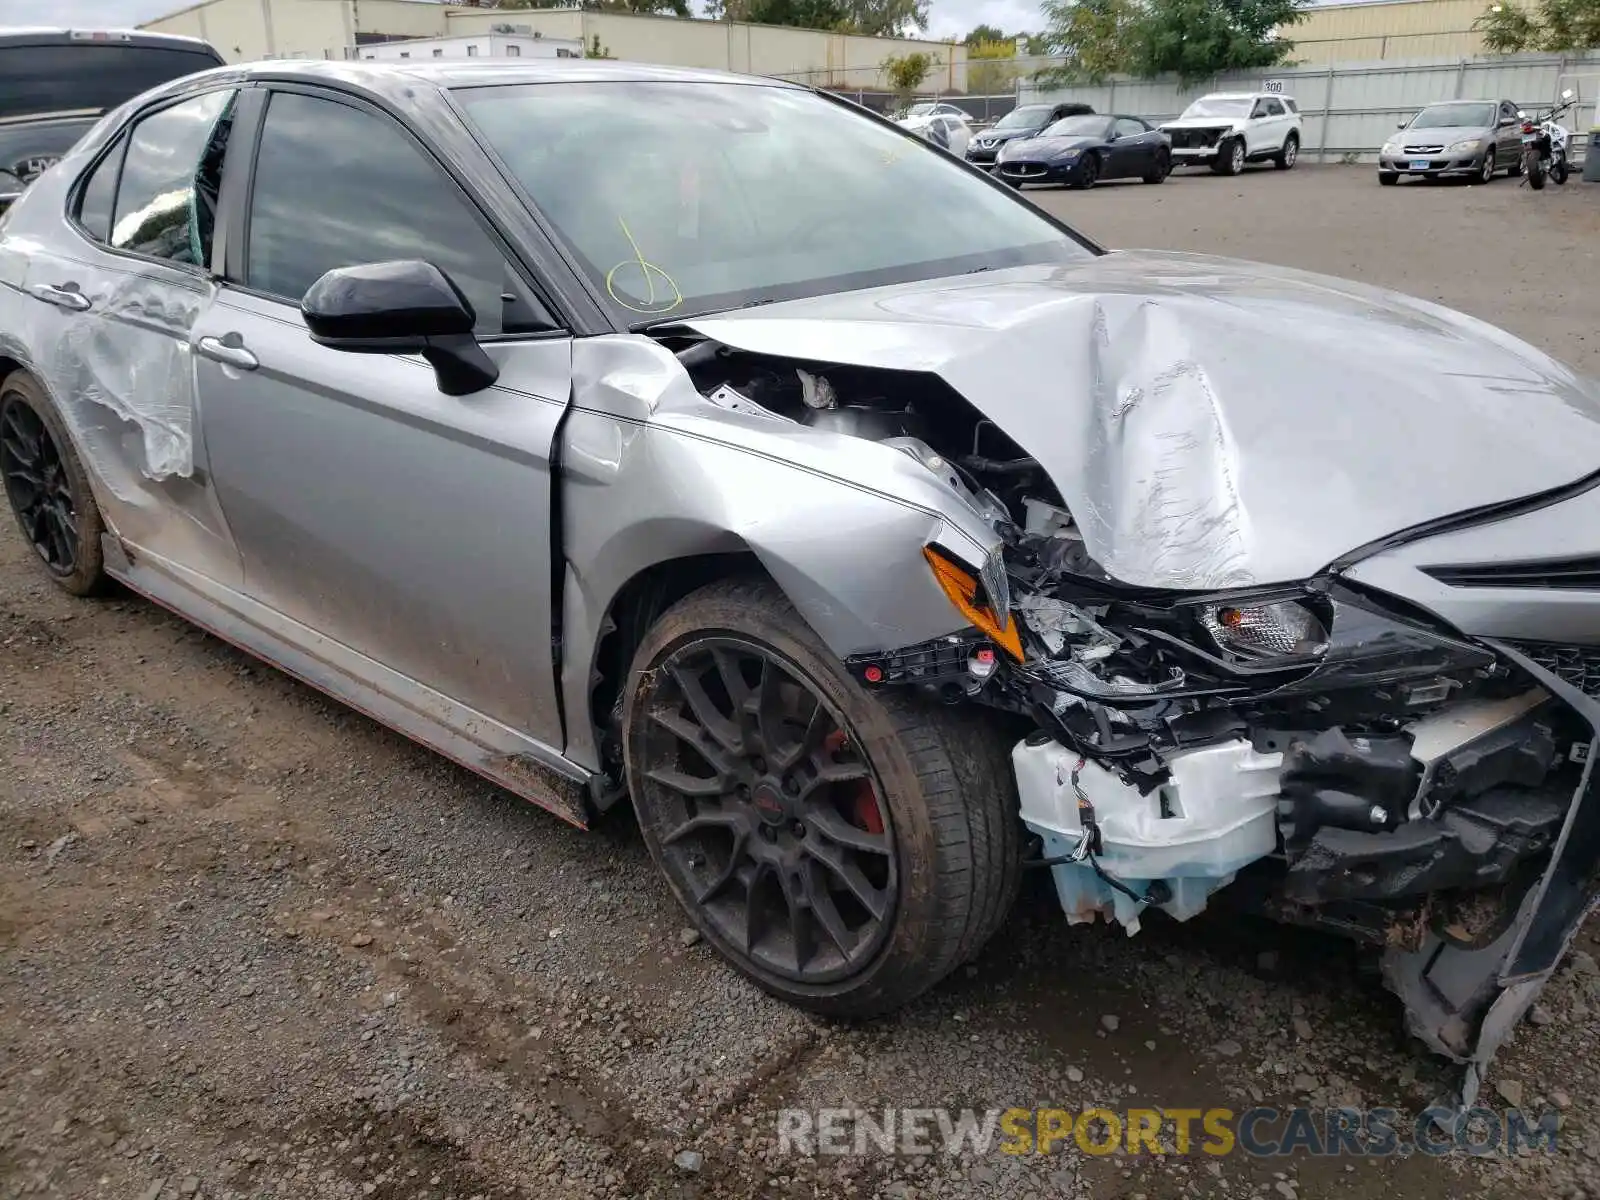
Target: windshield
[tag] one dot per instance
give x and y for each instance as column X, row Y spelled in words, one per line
column 1444, row 116
column 680, row 198
column 1077, row 127
column 88, row 77
column 1219, row 106
column 1030, row 116
column 919, row 110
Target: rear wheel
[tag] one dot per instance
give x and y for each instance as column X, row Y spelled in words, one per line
column 1534, row 168
column 47, row 487
column 1163, row 168
column 844, row 850
column 1289, row 155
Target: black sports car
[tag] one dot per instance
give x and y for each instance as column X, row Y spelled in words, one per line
column 1081, row 151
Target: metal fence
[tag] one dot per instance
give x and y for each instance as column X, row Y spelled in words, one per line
column 1350, row 109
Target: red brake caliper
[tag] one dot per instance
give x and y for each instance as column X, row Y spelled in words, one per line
column 864, row 803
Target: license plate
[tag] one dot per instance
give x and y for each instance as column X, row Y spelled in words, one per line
column 1529, row 138
column 1420, row 164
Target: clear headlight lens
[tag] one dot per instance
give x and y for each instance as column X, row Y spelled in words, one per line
column 1391, row 148
column 1463, row 146
column 1264, row 632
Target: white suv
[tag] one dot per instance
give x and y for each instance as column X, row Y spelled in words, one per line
column 1228, row 129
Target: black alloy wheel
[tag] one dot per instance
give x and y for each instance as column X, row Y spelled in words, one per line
column 843, row 847
column 37, row 486
column 47, row 488
column 1088, row 171
column 775, row 829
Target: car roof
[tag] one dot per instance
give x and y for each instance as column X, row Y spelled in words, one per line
column 1247, row 96
column 55, row 35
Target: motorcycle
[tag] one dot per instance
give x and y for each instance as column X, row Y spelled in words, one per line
column 1544, row 145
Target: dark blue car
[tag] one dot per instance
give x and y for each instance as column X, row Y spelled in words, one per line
column 1081, row 151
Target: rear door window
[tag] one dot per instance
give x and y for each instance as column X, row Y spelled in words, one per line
column 84, row 77
column 167, row 196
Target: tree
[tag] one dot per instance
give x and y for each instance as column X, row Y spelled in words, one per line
column 1193, row 39
column 981, row 34
column 907, row 72
column 1559, row 25
column 1196, row 39
column 885, row 18
column 991, row 67
column 595, row 50
column 882, row 18
column 1093, row 38
column 1507, row 28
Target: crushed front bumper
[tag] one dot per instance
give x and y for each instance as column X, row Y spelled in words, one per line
column 1438, row 166
column 1473, row 902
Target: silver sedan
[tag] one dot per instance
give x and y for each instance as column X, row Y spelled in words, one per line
column 739, row 456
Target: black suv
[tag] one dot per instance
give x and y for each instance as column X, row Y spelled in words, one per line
column 56, row 83
column 1024, row 121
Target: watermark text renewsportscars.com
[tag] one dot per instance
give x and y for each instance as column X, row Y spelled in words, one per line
column 1260, row 1131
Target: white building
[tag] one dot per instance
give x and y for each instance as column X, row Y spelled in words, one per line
column 486, row 45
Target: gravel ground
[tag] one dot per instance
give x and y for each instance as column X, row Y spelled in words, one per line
column 252, row 944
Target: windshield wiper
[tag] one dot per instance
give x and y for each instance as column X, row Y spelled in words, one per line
column 668, row 322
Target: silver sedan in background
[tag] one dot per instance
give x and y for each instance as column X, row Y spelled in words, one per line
column 629, row 424
column 1456, row 139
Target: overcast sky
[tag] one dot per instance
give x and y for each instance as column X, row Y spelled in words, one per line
column 947, row 18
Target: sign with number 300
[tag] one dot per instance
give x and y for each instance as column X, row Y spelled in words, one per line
column 1272, row 85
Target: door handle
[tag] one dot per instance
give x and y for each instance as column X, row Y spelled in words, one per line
column 65, row 295
column 228, row 349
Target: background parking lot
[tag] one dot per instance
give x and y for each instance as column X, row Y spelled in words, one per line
column 253, row 944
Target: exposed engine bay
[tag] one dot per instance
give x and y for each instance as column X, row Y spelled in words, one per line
column 1331, row 756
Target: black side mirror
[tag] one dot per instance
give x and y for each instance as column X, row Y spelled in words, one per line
column 407, row 307
column 1402, row 124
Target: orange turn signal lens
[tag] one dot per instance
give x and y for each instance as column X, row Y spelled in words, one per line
column 962, row 589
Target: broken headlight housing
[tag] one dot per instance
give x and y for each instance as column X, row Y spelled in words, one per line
column 1266, row 632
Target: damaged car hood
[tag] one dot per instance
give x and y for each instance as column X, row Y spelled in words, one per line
column 1213, row 423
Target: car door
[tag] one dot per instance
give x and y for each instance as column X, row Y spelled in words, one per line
column 1258, row 129
column 118, row 294
column 1508, row 133
column 1275, row 126
column 1133, row 150
column 370, row 508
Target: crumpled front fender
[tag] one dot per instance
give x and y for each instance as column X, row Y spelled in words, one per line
column 650, row 472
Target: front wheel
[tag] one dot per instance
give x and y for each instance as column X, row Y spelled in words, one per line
column 844, row 850
column 1487, row 169
column 1230, row 158
column 1088, row 172
column 1388, row 178
column 1558, row 171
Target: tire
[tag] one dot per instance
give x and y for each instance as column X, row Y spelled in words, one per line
column 1163, row 168
column 1536, row 174
column 47, row 488
column 1285, row 159
column 1487, row 170
column 1230, row 157
column 949, row 840
column 1088, row 172
column 1388, row 178
column 1558, row 172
